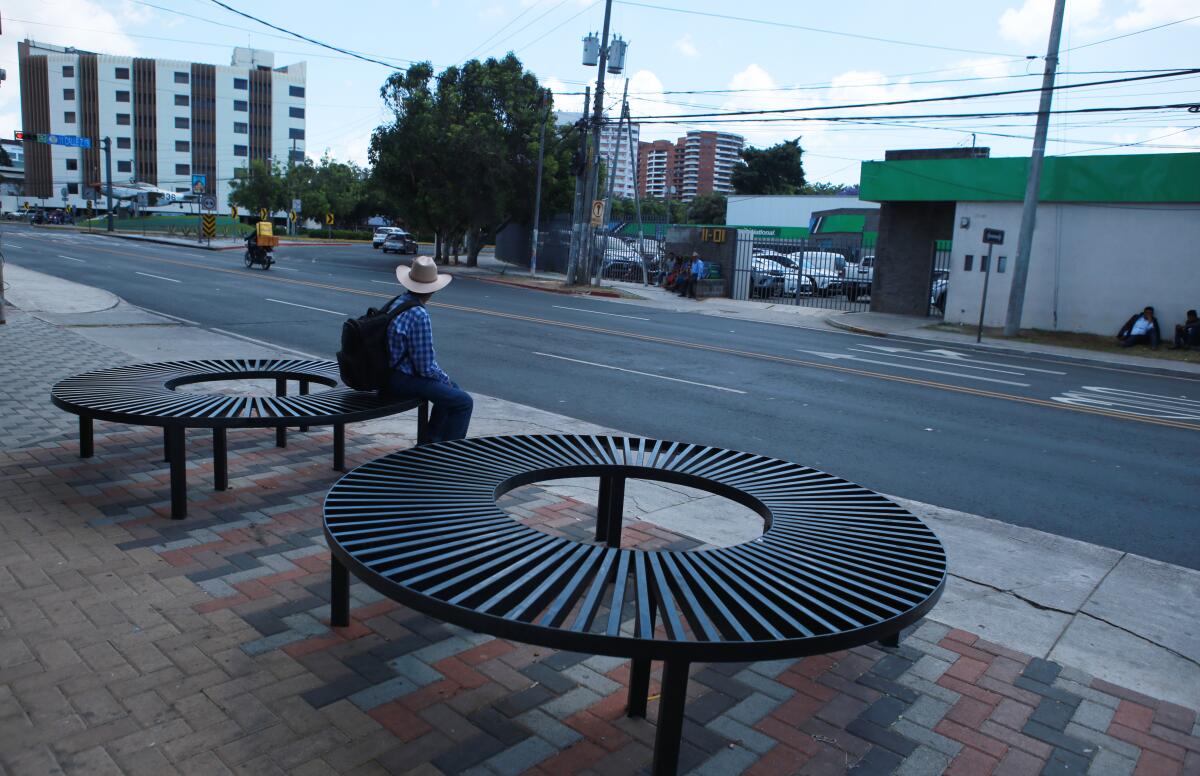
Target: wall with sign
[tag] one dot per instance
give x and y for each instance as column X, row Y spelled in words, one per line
column 1091, row 267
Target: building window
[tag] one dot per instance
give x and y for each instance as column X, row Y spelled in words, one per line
column 122, row 73
column 183, row 169
column 183, row 146
column 122, row 119
column 182, row 122
column 68, row 71
column 295, row 134
column 1001, row 263
column 241, row 127
column 125, row 166
column 72, row 188
column 123, row 142
column 968, row 262
column 72, row 164
column 181, row 77
column 182, row 190
column 295, row 91
column 296, row 113
column 241, row 150
column 240, row 83
column 69, row 117
column 68, row 94
column 181, row 99
column 241, row 105
column 983, row 263
column 122, row 96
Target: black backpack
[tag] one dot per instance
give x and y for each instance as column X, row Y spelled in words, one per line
column 364, row 360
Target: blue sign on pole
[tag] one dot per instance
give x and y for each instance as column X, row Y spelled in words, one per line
column 199, row 183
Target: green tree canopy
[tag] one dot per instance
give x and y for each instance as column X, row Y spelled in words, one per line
column 774, row 170
column 707, row 209
column 260, row 185
column 459, row 158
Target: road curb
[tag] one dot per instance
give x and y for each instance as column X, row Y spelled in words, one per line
column 159, row 241
column 835, row 323
column 566, row 292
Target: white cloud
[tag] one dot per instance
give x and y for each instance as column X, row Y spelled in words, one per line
column 491, row 13
column 105, row 34
column 986, row 67
column 646, row 99
column 686, row 47
column 1029, row 25
column 1152, row 12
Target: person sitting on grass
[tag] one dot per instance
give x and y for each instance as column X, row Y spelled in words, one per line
column 1140, row 330
column 1187, row 334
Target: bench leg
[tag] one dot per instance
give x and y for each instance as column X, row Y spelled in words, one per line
column 670, row 718
column 177, row 459
column 423, row 423
column 166, row 444
column 339, row 593
column 639, row 688
column 339, row 447
column 303, row 392
column 281, row 432
column 891, row 641
column 87, row 447
column 220, row 460
column 609, row 510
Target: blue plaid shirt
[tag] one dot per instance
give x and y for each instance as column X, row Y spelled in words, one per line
column 410, row 343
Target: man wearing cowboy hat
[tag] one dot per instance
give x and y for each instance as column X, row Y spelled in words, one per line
column 415, row 371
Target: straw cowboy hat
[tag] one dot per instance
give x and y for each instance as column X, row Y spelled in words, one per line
column 422, row 277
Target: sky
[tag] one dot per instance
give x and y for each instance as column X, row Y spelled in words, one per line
column 753, row 55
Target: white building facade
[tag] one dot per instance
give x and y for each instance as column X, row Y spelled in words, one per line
column 168, row 121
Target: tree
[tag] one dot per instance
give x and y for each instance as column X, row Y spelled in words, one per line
column 827, row 189
column 261, row 185
column 459, row 158
column 707, row 209
column 774, row 170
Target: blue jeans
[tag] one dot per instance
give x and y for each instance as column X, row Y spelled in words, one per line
column 451, row 413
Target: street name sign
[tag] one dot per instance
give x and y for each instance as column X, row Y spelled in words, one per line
column 993, row 236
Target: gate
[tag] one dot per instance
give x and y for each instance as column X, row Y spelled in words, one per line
column 831, row 274
column 939, row 278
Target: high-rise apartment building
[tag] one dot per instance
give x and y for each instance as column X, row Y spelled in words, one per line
column 168, row 120
column 701, row 162
column 616, row 151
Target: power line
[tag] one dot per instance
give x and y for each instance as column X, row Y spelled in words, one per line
column 511, row 22
column 1131, row 34
column 951, row 98
column 770, row 23
column 555, row 28
column 1145, row 143
column 999, row 114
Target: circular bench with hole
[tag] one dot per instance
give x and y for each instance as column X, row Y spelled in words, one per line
column 836, row 565
column 146, row 395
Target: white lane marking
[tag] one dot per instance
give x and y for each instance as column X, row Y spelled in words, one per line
column 636, row 372
column 943, row 362
column 597, row 312
column 306, row 307
column 71, row 258
column 287, row 269
column 1132, row 402
column 959, row 358
column 386, row 282
column 836, row 356
column 159, row 277
column 263, row 342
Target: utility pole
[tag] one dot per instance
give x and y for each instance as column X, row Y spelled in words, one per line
column 1016, row 296
column 611, row 182
column 108, row 178
column 577, row 217
column 590, row 169
column 637, row 196
column 537, row 197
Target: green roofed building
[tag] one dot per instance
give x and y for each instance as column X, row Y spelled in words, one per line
column 1114, row 233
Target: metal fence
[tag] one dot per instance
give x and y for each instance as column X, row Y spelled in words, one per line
column 830, row 273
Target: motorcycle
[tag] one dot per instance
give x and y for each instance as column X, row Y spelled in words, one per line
column 263, row 255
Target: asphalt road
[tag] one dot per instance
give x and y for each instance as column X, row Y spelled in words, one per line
column 1105, row 455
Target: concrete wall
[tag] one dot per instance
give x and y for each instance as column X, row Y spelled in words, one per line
column 904, row 254
column 1091, row 267
column 766, row 210
column 684, row 240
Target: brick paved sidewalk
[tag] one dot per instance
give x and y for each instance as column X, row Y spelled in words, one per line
column 130, row 643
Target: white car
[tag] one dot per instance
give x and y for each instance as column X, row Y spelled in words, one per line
column 770, row 276
column 859, row 277
column 825, row 269
column 382, row 233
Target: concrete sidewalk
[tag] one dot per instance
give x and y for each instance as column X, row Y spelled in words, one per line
column 135, row 643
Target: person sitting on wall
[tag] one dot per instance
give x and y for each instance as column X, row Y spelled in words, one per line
column 695, row 271
column 1140, row 330
column 1187, row 334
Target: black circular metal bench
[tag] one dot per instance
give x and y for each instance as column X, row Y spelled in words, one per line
column 836, row 566
column 144, row 394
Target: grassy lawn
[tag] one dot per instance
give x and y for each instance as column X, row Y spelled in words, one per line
column 1068, row 339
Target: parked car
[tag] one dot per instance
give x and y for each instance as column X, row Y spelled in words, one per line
column 381, row 234
column 399, row 241
column 825, row 270
column 770, row 276
column 859, row 277
column 937, row 294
